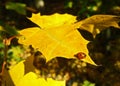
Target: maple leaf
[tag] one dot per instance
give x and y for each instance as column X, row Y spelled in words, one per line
column 59, row 39
column 19, row 77
column 31, row 79
column 97, row 23
column 17, row 72
column 47, row 21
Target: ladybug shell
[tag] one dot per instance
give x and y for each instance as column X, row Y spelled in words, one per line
column 80, row 55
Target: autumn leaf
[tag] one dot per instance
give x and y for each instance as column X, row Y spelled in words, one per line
column 97, row 23
column 20, row 78
column 47, row 21
column 17, row 72
column 31, row 79
column 56, row 38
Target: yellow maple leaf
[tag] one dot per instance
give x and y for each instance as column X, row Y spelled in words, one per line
column 31, row 79
column 17, row 72
column 97, row 23
column 19, row 77
column 59, row 39
column 48, row 21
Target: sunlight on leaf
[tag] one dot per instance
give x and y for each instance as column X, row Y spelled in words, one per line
column 61, row 40
column 17, row 72
column 97, row 23
column 64, row 45
column 48, row 21
column 19, row 77
column 31, row 79
column 22, row 68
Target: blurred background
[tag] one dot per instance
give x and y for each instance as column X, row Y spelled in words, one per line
column 104, row 48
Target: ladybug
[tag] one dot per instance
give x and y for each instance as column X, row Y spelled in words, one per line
column 80, row 55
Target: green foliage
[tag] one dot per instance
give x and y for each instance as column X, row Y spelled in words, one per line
column 1, row 54
column 87, row 83
column 18, row 7
column 9, row 29
column 90, row 7
column 1, row 45
column 15, row 54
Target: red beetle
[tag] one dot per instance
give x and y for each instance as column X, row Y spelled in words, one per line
column 80, row 55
